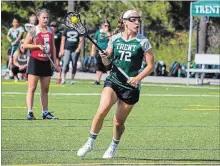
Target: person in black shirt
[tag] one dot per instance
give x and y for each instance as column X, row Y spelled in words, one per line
column 71, row 43
column 57, row 42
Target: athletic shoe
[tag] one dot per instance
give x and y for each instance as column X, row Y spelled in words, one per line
column 96, row 83
column 30, row 116
column 58, row 81
column 86, row 148
column 71, row 82
column 111, row 151
column 63, row 82
column 48, row 115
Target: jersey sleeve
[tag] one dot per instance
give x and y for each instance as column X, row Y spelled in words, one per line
column 9, row 31
column 21, row 29
column 112, row 39
column 110, row 43
column 96, row 35
column 64, row 32
column 146, row 45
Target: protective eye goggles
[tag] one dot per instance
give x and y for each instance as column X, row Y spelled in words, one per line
column 133, row 19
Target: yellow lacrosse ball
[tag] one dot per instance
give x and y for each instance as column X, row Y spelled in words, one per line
column 74, row 19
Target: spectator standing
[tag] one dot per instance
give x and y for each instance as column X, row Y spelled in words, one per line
column 57, row 42
column 71, row 43
column 102, row 39
column 14, row 36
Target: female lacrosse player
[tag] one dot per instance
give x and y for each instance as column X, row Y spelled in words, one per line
column 128, row 49
column 14, row 36
column 39, row 67
column 71, row 43
column 101, row 38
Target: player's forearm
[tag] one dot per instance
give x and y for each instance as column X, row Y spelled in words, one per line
column 54, row 54
column 93, row 50
column 18, row 38
column 30, row 46
column 146, row 72
column 79, row 48
column 9, row 39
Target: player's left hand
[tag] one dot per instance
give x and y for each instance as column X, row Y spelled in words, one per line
column 57, row 68
column 133, row 81
column 13, row 43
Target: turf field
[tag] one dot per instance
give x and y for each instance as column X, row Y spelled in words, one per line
column 169, row 125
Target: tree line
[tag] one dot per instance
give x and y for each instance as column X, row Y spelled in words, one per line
column 165, row 23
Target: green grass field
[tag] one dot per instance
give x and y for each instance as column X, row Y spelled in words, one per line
column 169, row 125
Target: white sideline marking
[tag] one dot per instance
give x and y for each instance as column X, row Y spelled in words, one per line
column 180, row 86
column 143, row 84
column 99, row 94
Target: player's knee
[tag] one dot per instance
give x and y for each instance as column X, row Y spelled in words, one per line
column 31, row 89
column 118, row 124
column 45, row 90
column 65, row 68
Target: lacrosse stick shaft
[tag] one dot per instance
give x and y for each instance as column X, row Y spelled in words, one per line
column 10, row 59
column 122, row 72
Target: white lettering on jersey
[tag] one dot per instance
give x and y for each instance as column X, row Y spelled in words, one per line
column 72, row 36
column 125, row 47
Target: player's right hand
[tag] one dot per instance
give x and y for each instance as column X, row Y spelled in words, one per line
column 103, row 54
column 61, row 53
column 41, row 47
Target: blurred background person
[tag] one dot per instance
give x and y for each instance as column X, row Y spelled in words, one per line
column 14, row 36
column 20, row 60
column 57, row 42
column 33, row 19
column 71, row 43
column 101, row 38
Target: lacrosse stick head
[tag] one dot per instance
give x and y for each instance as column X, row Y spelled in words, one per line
column 30, row 28
column 72, row 20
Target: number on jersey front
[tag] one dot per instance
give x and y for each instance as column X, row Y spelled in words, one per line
column 47, row 44
column 125, row 55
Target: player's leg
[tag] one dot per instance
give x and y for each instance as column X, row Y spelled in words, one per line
column 74, row 58
column 66, row 61
column 120, row 116
column 108, row 99
column 127, row 99
column 59, row 72
column 32, row 85
column 44, row 87
column 99, row 70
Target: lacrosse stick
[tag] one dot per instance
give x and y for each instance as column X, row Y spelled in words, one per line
column 31, row 29
column 72, row 20
column 7, row 74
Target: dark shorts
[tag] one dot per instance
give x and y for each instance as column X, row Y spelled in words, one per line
column 39, row 68
column 129, row 96
column 15, row 70
column 100, row 66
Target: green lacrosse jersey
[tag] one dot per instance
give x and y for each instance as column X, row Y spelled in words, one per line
column 101, row 39
column 128, row 55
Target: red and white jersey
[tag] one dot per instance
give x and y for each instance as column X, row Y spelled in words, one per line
column 45, row 39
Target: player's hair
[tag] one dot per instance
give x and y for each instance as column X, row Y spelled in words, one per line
column 16, row 17
column 106, row 22
column 39, row 11
column 120, row 27
column 33, row 16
